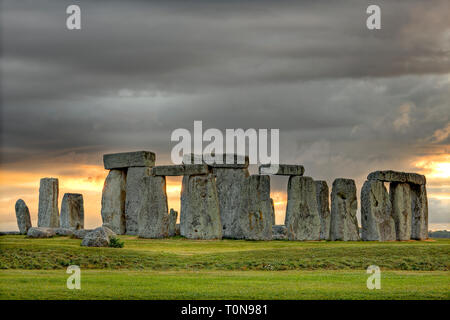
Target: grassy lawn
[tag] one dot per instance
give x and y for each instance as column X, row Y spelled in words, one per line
column 177, row 268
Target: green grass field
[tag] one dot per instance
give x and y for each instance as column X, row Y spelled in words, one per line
column 177, row 268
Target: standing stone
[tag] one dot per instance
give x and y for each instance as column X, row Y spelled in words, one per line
column 72, row 211
column 419, row 207
column 153, row 218
column 113, row 201
column 279, row 232
column 183, row 204
column 48, row 213
column 323, row 205
column 200, row 208
column 134, row 200
column 400, row 194
column 273, row 211
column 344, row 223
column 376, row 212
column 231, row 186
column 173, row 215
column 257, row 220
column 22, row 216
column 302, row 215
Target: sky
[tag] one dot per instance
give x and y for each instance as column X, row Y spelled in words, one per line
column 347, row 100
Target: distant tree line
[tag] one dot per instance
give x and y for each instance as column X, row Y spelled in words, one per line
column 439, row 234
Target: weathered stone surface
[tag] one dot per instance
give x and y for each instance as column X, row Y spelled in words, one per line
column 173, row 215
column 279, row 232
column 129, row 159
column 223, row 160
column 200, row 217
column 231, row 190
column 376, row 212
column 344, row 223
column 396, row 176
column 48, row 213
column 81, row 233
column 41, row 232
column 257, row 220
column 113, row 201
column 283, row 170
column 72, row 211
column 64, row 231
column 400, row 195
column 177, row 229
column 419, row 208
column 180, row 170
column 323, row 205
column 154, row 218
column 22, row 216
column 273, row 211
column 302, row 215
column 99, row 237
column 134, row 199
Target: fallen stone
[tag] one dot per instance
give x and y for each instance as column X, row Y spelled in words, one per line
column 400, row 194
column 72, row 211
column 64, row 232
column 283, row 170
column 81, row 233
column 129, row 159
column 180, row 170
column 173, row 215
column 344, row 223
column 279, row 232
column 224, row 160
column 99, row 237
column 302, row 215
column 376, row 212
column 22, row 216
column 113, row 201
column 323, row 205
column 396, row 176
column 419, row 208
column 134, row 199
column 257, row 221
column 41, row 232
column 48, row 213
column 200, row 217
column 231, row 191
column 154, row 218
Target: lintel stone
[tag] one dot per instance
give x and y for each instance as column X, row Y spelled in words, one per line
column 283, row 170
column 129, row 159
column 397, row 176
column 180, row 170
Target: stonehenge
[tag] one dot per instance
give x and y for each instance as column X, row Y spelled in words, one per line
column 22, row 216
column 344, row 223
column 72, row 211
column 220, row 199
column 401, row 214
column 48, row 213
